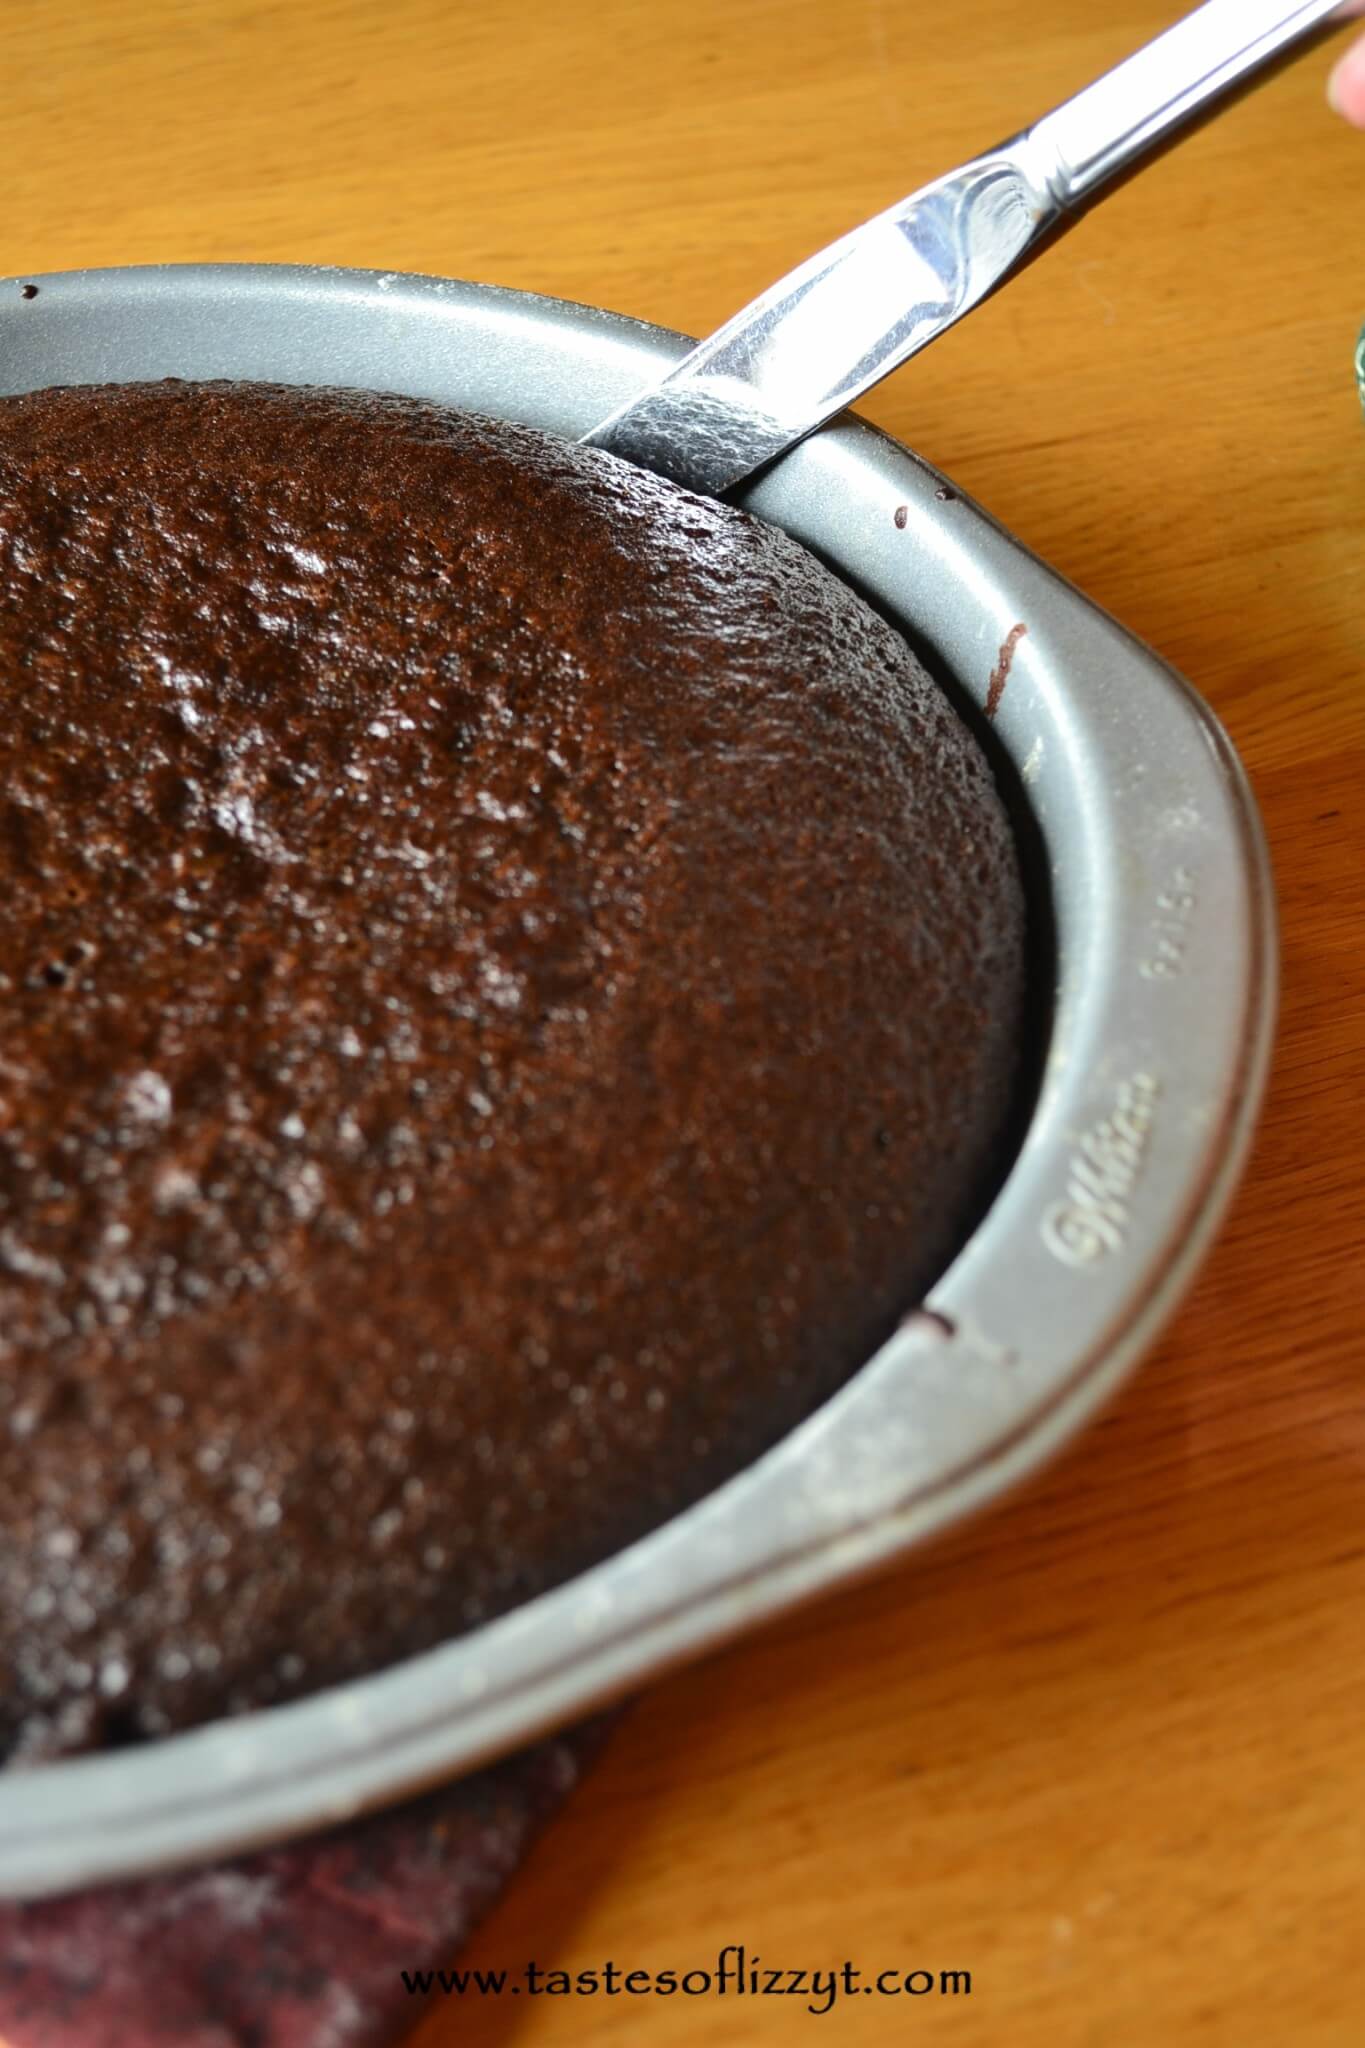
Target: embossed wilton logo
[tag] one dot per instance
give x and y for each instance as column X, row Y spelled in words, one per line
column 1092, row 1219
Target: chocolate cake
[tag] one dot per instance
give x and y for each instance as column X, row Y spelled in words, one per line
column 509, row 984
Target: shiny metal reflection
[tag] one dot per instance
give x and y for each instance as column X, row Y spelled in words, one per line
column 820, row 337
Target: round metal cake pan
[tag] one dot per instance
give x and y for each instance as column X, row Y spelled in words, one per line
column 1161, row 1025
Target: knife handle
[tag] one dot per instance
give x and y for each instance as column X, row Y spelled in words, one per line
column 1153, row 97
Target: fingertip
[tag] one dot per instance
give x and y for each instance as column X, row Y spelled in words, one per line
column 1346, row 87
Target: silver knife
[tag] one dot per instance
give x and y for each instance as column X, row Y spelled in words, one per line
column 821, row 336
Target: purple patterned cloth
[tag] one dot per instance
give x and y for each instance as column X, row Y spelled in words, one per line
column 295, row 1947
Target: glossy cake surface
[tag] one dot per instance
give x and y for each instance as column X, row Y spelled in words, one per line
column 510, row 977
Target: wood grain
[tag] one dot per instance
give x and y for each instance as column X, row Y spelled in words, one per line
column 1105, row 1749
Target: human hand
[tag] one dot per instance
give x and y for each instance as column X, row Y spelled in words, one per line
column 1346, row 90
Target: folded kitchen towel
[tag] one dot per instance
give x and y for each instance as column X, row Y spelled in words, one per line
column 295, row 1947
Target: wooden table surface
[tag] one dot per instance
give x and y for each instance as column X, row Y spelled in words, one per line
column 1105, row 1749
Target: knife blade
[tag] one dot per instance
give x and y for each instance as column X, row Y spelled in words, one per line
column 821, row 336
